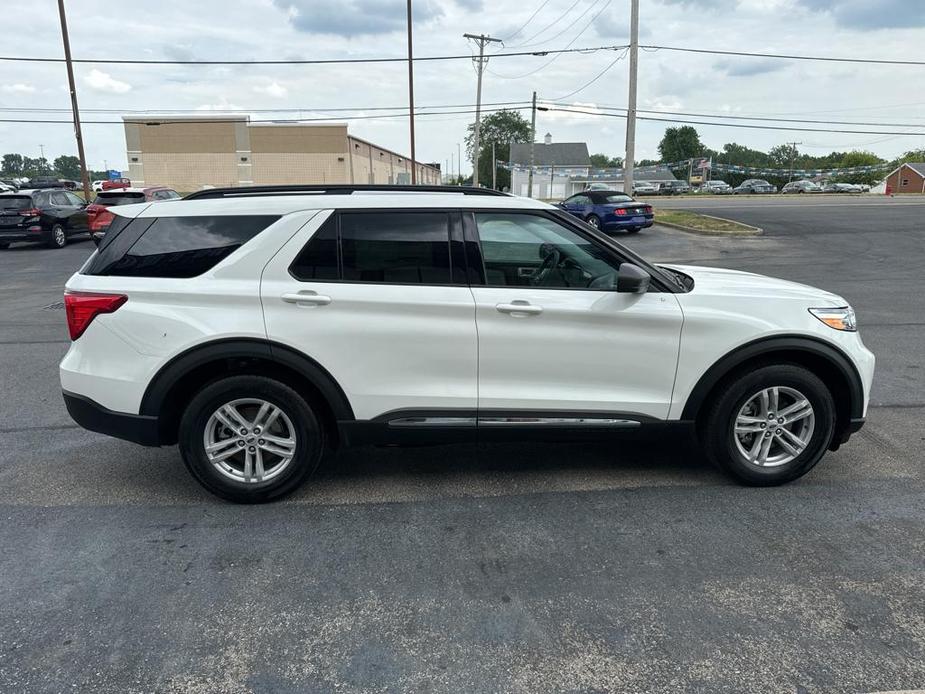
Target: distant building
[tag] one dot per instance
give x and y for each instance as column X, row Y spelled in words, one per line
column 565, row 169
column 908, row 178
column 189, row 152
column 559, row 162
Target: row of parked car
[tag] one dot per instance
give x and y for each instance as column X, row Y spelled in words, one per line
column 752, row 186
column 54, row 216
column 12, row 185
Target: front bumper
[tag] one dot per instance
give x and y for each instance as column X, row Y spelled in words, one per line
column 93, row 416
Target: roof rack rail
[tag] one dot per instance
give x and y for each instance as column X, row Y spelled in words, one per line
column 338, row 189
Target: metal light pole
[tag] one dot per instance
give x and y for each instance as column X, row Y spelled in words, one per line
column 85, row 178
column 793, row 155
column 630, row 159
column 414, row 175
column 458, row 163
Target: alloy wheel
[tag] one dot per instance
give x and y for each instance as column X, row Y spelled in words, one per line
column 774, row 426
column 249, row 440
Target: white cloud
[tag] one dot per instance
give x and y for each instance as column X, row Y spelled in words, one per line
column 18, row 88
column 103, row 82
column 274, row 89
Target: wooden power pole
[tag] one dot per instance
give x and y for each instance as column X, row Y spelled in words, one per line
column 84, row 175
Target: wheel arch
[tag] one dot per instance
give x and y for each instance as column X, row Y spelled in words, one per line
column 828, row 362
column 181, row 377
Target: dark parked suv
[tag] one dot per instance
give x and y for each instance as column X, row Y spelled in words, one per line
column 41, row 216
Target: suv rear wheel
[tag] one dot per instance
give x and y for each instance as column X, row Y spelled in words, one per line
column 58, row 237
column 770, row 425
column 250, row 439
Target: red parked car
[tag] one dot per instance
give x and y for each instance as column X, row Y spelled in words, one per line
column 116, row 183
column 100, row 217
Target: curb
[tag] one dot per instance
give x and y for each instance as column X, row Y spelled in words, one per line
column 749, row 231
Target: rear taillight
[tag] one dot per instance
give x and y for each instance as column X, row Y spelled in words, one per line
column 620, row 211
column 101, row 219
column 31, row 212
column 81, row 308
column 648, row 209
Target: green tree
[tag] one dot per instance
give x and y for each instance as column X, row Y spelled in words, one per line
column 915, row 155
column 68, row 166
column 860, row 158
column 603, row 161
column 501, row 129
column 680, row 143
column 12, row 165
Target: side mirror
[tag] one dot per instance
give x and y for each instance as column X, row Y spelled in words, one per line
column 96, row 237
column 632, row 279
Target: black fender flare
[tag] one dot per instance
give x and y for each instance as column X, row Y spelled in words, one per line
column 782, row 343
column 186, row 362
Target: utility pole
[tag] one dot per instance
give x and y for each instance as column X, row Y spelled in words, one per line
column 85, row 179
column 532, row 149
column 458, row 163
column 793, row 155
column 414, row 175
column 630, row 160
column 482, row 40
column 494, row 168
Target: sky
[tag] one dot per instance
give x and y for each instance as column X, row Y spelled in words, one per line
column 313, row 29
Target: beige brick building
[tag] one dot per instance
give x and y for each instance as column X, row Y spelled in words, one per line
column 187, row 153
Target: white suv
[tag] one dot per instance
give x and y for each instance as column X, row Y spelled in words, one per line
column 259, row 328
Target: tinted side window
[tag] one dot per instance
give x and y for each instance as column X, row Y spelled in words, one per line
column 176, row 246
column 530, row 250
column 395, row 247
column 318, row 260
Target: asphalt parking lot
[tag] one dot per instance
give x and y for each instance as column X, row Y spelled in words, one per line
column 482, row 569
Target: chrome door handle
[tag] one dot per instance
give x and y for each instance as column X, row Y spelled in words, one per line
column 520, row 306
column 306, row 299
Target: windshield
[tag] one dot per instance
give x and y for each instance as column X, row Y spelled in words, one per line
column 618, row 197
column 10, row 202
column 119, row 198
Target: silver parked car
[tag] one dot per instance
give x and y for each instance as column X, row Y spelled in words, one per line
column 644, row 188
column 715, row 187
column 801, row 187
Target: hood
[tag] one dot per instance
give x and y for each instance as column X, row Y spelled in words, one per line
column 710, row 280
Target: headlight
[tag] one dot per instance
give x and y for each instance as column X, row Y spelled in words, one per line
column 839, row 318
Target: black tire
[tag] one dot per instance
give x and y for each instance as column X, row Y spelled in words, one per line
column 717, row 433
column 594, row 221
column 309, row 437
column 58, row 238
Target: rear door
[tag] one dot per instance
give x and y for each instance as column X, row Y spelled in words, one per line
column 555, row 337
column 380, row 299
column 78, row 215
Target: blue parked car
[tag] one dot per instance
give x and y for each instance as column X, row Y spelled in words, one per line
column 609, row 210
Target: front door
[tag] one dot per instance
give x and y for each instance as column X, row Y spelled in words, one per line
column 556, row 336
column 377, row 299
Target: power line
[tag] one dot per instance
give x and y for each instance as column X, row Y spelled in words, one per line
column 873, row 61
column 555, row 57
column 752, row 126
column 326, row 61
column 167, row 121
column 551, row 24
column 524, row 25
column 591, row 81
column 304, row 109
column 762, row 118
column 567, row 27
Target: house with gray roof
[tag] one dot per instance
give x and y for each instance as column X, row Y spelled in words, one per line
column 564, row 168
column 555, row 164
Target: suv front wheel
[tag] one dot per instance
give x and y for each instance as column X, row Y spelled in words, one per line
column 770, row 425
column 250, row 439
